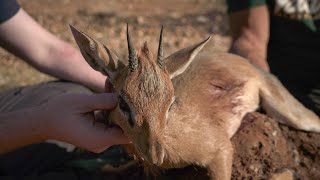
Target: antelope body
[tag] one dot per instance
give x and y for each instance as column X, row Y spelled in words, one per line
column 184, row 109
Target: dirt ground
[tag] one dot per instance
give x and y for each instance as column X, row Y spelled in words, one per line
column 263, row 149
column 185, row 22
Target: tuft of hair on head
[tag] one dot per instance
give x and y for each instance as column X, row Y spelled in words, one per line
column 145, row 52
column 145, row 46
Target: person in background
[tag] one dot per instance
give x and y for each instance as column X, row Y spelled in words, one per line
column 283, row 37
column 61, row 111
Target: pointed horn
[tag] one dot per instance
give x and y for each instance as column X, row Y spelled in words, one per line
column 133, row 62
column 160, row 51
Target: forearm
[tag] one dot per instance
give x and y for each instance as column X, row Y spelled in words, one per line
column 250, row 34
column 256, row 53
column 25, row 38
column 67, row 63
column 18, row 129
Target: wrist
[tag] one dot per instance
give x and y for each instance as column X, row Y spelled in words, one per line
column 84, row 74
column 97, row 82
column 40, row 128
column 42, row 125
column 20, row 128
column 255, row 54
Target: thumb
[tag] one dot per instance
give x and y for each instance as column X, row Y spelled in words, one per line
column 97, row 137
column 116, row 136
column 99, row 101
column 108, row 138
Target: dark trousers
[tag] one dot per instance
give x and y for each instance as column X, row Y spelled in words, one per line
column 298, row 68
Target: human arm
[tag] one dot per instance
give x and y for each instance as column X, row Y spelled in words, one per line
column 250, row 34
column 24, row 37
column 68, row 118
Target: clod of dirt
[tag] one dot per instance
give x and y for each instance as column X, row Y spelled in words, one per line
column 263, row 149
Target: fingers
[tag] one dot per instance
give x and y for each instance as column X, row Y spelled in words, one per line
column 97, row 137
column 102, row 101
column 91, row 102
column 101, row 116
column 78, row 129
column 108, row 86
column 116, row 136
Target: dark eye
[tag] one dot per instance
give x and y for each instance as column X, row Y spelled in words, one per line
column 126, row 110
column 123, row 105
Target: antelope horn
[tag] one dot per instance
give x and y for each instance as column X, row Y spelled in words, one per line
column 160, row 51
column 133, row 61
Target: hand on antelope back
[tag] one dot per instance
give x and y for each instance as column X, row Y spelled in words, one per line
column 183, row 109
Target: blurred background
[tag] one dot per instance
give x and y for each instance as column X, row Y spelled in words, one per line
column 185, row 22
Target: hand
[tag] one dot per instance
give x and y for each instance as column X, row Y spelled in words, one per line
column 70, row 118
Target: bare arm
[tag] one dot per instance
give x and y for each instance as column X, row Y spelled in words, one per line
column 24, row 37
column 18, row 129
column 250, row 34
column 73, row 124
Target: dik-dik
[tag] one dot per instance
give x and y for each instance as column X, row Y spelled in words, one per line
column 183, row 109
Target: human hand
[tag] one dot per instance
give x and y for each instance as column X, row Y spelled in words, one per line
column 70, row 118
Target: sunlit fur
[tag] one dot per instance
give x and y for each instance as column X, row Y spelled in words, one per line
column 149, row 92
column 212, row 92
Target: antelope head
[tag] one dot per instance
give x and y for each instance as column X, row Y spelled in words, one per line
column 144, row 86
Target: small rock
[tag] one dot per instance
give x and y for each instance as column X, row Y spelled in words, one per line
column 112, row 20
column 284, row 175
column 202, row 19
column 274, row 133
column 175, row 15
column 140, row 20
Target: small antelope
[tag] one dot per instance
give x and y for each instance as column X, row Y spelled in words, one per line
column 183, row 109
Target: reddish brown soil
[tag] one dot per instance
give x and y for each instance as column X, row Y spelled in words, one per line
column 262, row 147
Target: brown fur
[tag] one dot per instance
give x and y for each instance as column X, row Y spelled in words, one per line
column 213, row 92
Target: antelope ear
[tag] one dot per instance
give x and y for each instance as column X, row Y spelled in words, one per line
column 97, row 55
column 178, row 62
